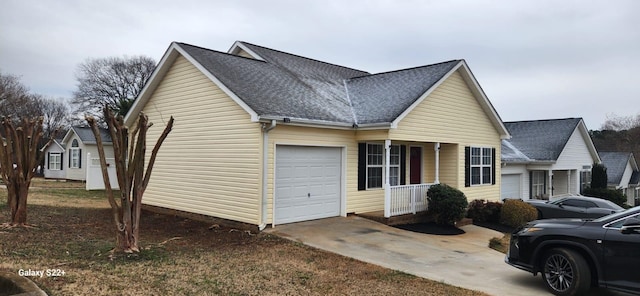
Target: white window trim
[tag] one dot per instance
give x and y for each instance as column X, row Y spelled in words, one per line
column 481, row 165
column 540, row 185
column 76, row 151
column 57, row 155
column 381, row 166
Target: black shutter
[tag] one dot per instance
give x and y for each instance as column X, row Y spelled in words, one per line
column 70, row 156
column 403, row 165
column 362, row 166
column 79, row 158
column 48, row 160
column 467, row 166
column 61, row 160
column 493, row 166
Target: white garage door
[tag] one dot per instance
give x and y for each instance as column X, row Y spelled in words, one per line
column 307, row 183
column 510, row 187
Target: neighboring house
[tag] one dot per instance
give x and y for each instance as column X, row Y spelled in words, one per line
column 267, row 137
column 546, row 158
column 622, row 173
column 75, row 154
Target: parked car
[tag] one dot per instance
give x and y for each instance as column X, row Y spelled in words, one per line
column 575, row 254
column 574, row 207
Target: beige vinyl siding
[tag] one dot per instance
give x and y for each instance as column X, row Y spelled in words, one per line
column 245, row 54
column 451, row 114
column 210, row 162
column 356, row 201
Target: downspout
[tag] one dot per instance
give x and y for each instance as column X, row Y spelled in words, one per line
column 265, row 171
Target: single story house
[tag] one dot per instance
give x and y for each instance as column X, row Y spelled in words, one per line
column 546, row 158
column 73, row 156
column 622, row 173
column 267, row 137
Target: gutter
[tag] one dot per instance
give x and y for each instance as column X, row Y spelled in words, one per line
column 265, row 162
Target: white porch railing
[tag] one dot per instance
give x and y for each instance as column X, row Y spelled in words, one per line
column 408, row 199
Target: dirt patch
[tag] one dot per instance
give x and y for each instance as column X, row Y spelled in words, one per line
column 73, row 235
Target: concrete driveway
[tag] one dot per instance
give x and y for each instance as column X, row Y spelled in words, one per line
column 461, row 260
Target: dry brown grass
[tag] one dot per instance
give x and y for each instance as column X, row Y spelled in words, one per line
column 73, row 232
column 500, row 244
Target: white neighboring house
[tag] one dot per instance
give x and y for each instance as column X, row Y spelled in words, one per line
column 546, row 158
column 75, row 157
column 622, row 173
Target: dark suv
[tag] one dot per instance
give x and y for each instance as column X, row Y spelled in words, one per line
column 574, row 255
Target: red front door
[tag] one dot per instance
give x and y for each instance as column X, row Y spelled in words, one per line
column 415, row 166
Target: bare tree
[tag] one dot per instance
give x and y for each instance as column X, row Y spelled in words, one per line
column 132, row 176
column 56, row 115
column 114, row 82
column 621, row 123
column 619, row 133
column 15, row 99
column 18, row 163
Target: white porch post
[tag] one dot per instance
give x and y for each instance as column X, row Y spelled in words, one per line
column 569, row 190
column 436, row 148
column 550, row 184
column 387, row 184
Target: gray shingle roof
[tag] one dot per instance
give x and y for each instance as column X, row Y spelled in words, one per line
column 86, row 135
column 287, row 85
column 510, row 153
column 540, row 140
column 616, row 163
column 383, row 97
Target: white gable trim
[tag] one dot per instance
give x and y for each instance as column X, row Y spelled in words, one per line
column 585, row 135
column 238, row 45
column 475, row 89
column 165, row 63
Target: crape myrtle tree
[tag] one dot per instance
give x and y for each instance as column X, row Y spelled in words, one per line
column 130, row 169
column 18, row 163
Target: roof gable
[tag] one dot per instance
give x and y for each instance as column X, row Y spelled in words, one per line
column 544, row 140
column 272, row 84
column 616, row 163
column 85, row 134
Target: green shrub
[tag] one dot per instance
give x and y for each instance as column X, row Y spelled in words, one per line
column 484, row 211
column 616, row 196
column 599, row 176
column 446, row 203
column 516, row 213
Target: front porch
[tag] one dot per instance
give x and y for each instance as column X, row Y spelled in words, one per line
column 401, row 169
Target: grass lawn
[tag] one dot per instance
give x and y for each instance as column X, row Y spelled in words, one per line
column 73, row 232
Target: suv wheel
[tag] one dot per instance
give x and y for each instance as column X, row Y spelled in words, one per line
column 565, row 272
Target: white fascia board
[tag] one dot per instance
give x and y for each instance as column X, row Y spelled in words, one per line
column 475, row 89
column 68, row 135
column 165, row 63
column 484, row 100
column 157, row 75
column 224, row 88
column 238, row 45
column 394, row 123
column 324, row 124
column 587, row 138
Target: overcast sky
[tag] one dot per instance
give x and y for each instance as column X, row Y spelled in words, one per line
column 534, row 59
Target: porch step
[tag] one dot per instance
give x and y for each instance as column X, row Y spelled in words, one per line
column 420, row 217
column 378, row 216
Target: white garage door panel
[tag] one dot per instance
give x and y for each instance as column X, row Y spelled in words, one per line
column 510, row 186
column 307, row 183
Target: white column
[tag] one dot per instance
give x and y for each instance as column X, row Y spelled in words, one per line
column 387, row 183
column 550, row 184
column 569, row 182
column 436, row 148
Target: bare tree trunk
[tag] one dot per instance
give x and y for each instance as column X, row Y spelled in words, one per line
column 132, row 177
column 18, row 163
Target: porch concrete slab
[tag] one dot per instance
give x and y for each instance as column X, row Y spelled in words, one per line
column 461, row 260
